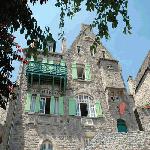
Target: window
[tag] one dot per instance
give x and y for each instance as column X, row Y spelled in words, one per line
column 33, row 102
column 110, row 67
column 84, row 106
column 121, row 125
column 78, row 49
column 103, row 54
column 42, row 104
column 93, row 52
column 46, row 146
column 81, row 72
column 45, row 105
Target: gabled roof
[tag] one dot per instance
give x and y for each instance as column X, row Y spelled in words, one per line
column 144, row 67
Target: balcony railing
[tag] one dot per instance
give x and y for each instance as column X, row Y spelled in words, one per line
column 46, row 69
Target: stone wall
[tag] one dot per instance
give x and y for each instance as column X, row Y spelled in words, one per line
column 142, row 95
column 120, row 141
column 3, row 116
column 27, row 131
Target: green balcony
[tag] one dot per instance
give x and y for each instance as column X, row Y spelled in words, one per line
column 39, row 73
column 46, row 69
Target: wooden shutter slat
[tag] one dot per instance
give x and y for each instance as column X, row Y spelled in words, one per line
column 28, row 102
column 87, row 72
column 72, row 106
column 37, row 103
column 52, row 105
column 99, row 111
column 61, row 106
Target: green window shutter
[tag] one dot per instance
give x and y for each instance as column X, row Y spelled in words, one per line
column 37, row 103
column 28, row 102
column 74, row 70
column 52, row 105
column 87, row 72
column 72, row 106
column 99, row 111
column 61, row 105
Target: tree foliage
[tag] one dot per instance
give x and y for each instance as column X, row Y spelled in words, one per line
column 15, row 15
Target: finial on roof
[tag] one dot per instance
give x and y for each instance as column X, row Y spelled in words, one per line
column 64, row 45
column 86, row 28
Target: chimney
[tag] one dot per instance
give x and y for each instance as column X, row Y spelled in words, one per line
column 131, row 85
column 64, row 45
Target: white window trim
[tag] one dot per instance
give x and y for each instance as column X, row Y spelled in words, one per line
column 44, row 105
column 33, row 103
column 89, row 104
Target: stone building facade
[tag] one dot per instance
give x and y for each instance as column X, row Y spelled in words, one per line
column 140, row 91
column 73, row 100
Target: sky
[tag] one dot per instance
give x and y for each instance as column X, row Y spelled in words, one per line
column 129, row 50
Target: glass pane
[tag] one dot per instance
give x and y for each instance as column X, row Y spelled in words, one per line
column 33, row 103
column 85, row 97
column 80, row 97
column 78, row 110
column 42, row 105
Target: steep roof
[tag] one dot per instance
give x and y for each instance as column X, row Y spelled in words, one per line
column 144, row 67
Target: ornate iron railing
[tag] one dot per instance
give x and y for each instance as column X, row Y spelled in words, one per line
column 46, row 69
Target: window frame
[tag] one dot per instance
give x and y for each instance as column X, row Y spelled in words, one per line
column 78, row 48
column 42, row 97
column 33, row 103
column 81, row 66
column 80, row 98
column 56, row 105
column 47, row 146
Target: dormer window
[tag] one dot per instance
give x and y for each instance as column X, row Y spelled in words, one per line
column 93, row 52
column 103, row 54
column 50, row 48
column 78, row 49
column 110, row 67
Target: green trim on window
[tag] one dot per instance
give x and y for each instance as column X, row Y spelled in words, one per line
column 52, row 105
column 99, row 111
column 61, row 105
column 37, row 104
column 28, row 102
column 72, row 106
column 87, row 72
column 74, row 70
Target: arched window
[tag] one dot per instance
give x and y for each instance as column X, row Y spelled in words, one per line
column 46, row 146
column 85, row 107
column 121, row 125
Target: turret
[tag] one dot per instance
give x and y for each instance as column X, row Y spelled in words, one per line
column 131, row 84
